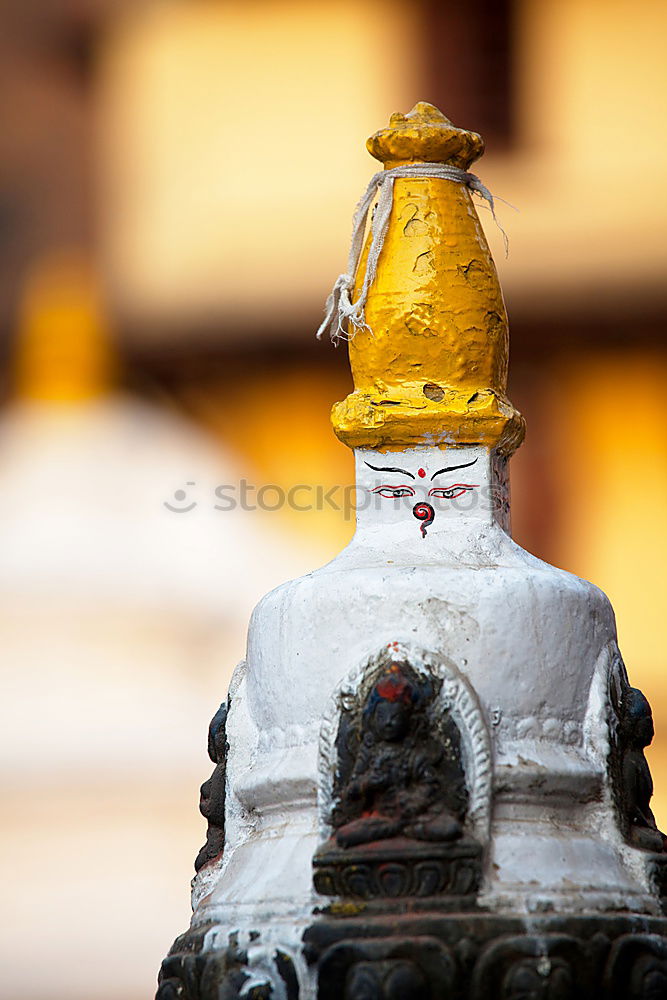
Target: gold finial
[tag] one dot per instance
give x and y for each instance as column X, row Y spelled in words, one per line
column 63, row 353
column 427, row 136
column 430, row 364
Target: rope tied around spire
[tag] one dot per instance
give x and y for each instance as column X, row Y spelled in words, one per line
column 340, row 309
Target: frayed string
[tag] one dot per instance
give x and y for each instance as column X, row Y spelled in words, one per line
column 343, row 317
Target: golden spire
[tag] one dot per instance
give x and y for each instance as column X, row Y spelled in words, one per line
column 63, row 353
column 431, row 366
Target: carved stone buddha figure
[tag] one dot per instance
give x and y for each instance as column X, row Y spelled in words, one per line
column 402, row 781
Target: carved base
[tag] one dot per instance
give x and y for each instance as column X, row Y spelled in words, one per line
column 398, row 867
column 354, row 954
column 191, row 973
column 478, row 956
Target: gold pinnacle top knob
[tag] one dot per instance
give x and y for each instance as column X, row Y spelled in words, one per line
column 424, row 135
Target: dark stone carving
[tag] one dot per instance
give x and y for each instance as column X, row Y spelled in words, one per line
column 356, row 953
column 391, row 980
column 399, row 867
column 529, row 968
column 400, row 796
column 528, row 979
column 481, row 956
column 398, row 775
column 212, row 793
column 395, row 969
column 224, row 974
column 657, row 866
column 637, row 968
column 631, row 775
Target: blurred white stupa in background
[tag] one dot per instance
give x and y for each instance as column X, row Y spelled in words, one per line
column 118, row 616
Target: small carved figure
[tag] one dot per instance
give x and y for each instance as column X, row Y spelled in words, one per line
column 212, row 792
column 407, row 778
column 636, row 785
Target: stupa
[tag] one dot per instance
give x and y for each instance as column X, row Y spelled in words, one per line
column 429, row 771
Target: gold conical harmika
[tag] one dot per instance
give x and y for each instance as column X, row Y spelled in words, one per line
column 431, row 369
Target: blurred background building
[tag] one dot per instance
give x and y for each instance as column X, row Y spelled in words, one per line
column 176, row 184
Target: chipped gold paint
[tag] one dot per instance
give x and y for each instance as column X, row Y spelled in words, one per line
column 433, row 371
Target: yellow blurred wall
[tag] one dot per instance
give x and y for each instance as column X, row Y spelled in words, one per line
column 612, row 476
column 232, row 148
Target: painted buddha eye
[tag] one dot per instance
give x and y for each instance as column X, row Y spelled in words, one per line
column 451, row 492
column 394, row 492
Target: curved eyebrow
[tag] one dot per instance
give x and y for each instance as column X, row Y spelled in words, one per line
column 451, row 468
column 382, row 468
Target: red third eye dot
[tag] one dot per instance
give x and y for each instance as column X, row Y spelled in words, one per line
column 421, row 473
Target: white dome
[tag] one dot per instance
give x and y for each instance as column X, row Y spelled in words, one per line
column 82, row 513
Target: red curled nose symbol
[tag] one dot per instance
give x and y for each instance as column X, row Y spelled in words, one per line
column 424, row 513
